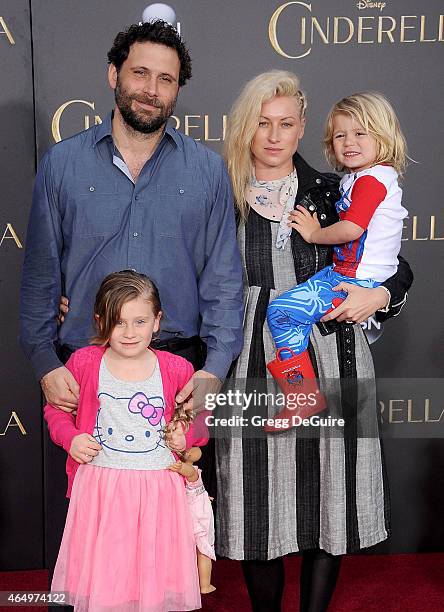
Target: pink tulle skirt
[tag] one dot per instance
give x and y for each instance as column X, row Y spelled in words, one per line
column 128, row 544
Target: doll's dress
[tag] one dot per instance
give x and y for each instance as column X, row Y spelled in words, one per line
column 202, row 516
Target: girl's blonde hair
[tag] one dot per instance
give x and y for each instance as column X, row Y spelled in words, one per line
column 243, row 123
column 374, row 112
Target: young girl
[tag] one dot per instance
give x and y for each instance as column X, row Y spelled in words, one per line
column 198, row 500
column 128, row 543
column 364, row 138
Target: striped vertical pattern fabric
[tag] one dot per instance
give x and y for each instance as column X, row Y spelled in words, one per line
column 282, row 493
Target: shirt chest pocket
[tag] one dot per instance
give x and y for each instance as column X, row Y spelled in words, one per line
column 180, row 211
column 96, row 208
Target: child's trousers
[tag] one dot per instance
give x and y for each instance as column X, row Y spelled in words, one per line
column 291, row 316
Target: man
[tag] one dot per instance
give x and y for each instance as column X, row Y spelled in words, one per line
column 132, row 193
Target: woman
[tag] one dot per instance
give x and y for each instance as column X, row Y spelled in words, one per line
column 281, row 493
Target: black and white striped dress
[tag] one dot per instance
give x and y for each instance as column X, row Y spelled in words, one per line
column 280, row 493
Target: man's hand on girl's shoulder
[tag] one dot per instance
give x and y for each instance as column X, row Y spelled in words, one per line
column 61, row 389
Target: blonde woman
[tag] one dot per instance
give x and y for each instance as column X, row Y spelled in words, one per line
column 282, row 493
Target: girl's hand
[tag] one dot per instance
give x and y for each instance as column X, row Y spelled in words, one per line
column 360, row 304
column 185, row 469
column 304, row 223
column 84, row 448
column 175, row 438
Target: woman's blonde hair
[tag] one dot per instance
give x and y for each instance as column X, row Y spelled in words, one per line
column 243, row 123
column 376, row 115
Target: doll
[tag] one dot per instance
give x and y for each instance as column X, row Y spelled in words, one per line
column 198, row 500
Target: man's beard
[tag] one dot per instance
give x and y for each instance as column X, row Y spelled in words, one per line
column 142, row 121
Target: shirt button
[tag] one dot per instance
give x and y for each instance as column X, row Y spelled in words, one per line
column 323, row 217
column 348, row 362
column 137, row 197
column 181, row 190
column 318, row 181
column 91, row 188
column 327, row 193
column 135, row 234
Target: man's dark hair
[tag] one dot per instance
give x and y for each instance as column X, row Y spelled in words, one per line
column 158, row 32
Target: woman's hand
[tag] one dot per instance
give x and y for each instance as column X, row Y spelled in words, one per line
column 360, row 304
column 304, row 223
column 84, row 448
column 63, row 308
column 185, row 469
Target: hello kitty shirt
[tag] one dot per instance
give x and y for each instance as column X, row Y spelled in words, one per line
column 129, row 423
column 84, row 365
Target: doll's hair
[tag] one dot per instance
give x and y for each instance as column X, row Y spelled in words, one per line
column 243, row 123
column 180, row 417
column 374, row 112
column 117, row 289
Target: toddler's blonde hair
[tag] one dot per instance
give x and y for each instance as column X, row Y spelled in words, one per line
column 374, row 112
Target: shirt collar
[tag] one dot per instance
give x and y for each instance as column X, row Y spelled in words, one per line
column 105, row 128
column 172, row 133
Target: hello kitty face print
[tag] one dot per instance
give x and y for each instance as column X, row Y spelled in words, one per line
column 130, row 422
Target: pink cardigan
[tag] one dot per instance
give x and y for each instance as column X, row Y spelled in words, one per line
column 84, row 365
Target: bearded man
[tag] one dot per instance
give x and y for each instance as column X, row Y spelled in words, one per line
column 131, row 193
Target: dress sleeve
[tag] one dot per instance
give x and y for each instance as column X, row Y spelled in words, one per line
column 197, row 484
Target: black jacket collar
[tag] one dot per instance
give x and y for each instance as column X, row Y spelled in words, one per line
column 309, row 178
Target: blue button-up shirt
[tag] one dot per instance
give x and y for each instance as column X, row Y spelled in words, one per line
column 175, row 224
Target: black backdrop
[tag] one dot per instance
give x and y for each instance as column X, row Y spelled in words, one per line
column 52, row 71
